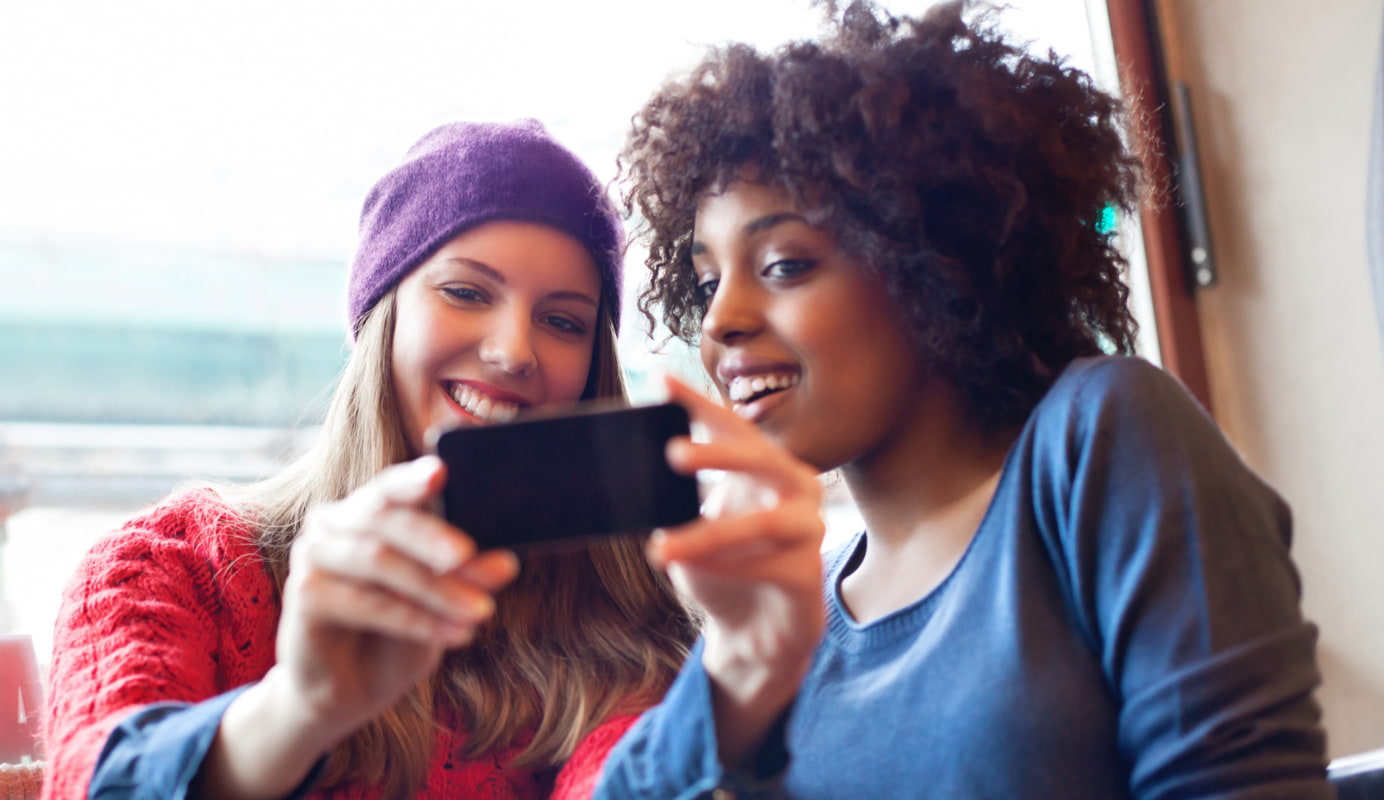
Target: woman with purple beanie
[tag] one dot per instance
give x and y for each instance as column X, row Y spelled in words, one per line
column 323, row 633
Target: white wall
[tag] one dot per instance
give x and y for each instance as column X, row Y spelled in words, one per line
column 1282, row 94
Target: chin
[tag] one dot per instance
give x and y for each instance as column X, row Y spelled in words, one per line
column 804, row 451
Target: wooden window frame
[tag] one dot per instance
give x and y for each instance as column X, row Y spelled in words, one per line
column 1134, row 27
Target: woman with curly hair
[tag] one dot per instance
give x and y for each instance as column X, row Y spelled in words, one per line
column 1069, row 585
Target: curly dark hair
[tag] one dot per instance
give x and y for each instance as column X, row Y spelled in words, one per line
column 970, row 174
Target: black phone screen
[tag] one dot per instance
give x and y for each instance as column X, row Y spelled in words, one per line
column 587, row 474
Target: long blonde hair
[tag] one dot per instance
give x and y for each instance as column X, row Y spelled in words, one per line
column 579, row 636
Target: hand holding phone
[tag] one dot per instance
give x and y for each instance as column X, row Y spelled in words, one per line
column 591, row 473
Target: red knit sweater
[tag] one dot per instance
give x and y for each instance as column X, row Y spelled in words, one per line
column 179, row 605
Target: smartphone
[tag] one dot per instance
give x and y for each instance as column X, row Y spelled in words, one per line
column 590, row 473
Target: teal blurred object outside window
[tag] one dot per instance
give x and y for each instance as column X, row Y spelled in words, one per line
column 179, row 186
column 119, row 334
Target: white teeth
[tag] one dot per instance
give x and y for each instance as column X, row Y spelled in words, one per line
column 483, row 405
column 743, row 388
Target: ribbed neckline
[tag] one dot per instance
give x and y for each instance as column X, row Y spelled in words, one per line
column 906, row 622
column 853, row 636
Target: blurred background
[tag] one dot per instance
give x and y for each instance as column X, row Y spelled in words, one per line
column 180, row 189
column 180, row 184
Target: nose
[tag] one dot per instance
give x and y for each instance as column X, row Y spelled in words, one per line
column 735, row 311
column 509, row 345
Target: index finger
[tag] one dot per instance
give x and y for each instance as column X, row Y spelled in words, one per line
column 426, row 537
column 761, row 459
column 413, row 482
column 719, row 420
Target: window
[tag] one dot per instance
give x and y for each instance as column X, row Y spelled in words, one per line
column 180, row 197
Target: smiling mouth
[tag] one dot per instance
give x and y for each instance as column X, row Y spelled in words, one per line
column 481, row 405
column 749, row 388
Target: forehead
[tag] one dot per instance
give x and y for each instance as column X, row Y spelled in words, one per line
column 735, row 208
column 744, row 212
column 523, row 254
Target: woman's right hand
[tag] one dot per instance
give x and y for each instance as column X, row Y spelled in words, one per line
column 378, row 588
column 752, row 562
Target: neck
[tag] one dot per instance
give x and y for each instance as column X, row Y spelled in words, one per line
column 922, row 496
column 934, row 463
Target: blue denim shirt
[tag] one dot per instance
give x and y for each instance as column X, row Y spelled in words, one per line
column 155, row 752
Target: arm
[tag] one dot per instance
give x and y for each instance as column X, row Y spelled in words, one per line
column 378, row 589
column 1176, row 560
column 138, row 626
column 156, row 750
column 672, row 751
column 752, row 564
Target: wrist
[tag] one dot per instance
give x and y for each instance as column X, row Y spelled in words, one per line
column 751, row 692
column 265, row 746
column 748, row 665
column 278, row 705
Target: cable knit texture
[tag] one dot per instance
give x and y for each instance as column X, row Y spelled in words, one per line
column 179, row 605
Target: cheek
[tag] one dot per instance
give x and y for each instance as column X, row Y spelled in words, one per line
column 707, row 349
column 565, row 369
column 859, row 351
column 406, row 369
column 414, row 337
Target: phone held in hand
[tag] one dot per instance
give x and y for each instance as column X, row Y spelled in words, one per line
column 591, row 473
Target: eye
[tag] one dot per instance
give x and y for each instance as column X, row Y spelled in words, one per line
column 466, row 294
column 564, row 324
column 707, row 289
column 787, row 268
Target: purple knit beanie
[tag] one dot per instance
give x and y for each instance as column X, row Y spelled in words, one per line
column 463, row 174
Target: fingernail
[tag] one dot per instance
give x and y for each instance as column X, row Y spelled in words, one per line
column 654, row 548
column 447, row 556
column 426, row 465
column 456, row 635
column 481, row 607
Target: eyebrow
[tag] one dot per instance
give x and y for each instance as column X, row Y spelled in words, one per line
column 757, row 226
column 492, row 274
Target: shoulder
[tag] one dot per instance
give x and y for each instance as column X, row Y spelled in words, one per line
column 193, row 533
column 578, row 776
column 198, row 520
column 170, row 586
column 1120, row 400
column 164, row 608
column 1120, row 437
column 1119, row 430
column 1121, row 384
